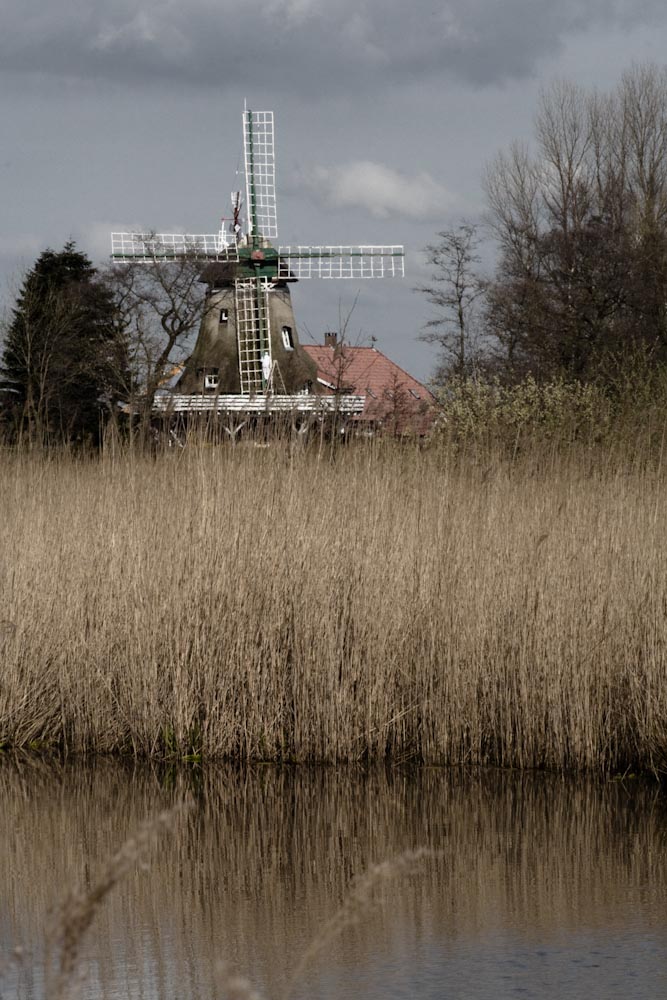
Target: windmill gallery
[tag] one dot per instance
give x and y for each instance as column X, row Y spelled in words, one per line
column 247, row 357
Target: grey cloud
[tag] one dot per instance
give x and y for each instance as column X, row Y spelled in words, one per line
column 310, row 47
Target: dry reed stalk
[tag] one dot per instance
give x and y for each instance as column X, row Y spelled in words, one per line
column 268, row 604
column 79, row 907
column 363, row 896
column 233, row 986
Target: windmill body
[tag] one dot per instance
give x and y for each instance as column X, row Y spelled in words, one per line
column 247, row 353
column 227, row 357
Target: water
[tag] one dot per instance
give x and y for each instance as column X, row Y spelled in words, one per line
column 542, row 887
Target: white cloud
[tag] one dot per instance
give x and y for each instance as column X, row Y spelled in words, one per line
column 377, row 189
column 144, row 30
column 94, row 239
column 294, row 11
column 137, row 29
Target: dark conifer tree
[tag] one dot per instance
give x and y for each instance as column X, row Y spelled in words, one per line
column 64, row 363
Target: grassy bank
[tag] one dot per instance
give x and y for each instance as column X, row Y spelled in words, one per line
column 444, row 605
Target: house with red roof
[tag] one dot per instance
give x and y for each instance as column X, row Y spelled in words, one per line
column 395, row 401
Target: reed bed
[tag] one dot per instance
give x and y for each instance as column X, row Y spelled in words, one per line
column 447, row 605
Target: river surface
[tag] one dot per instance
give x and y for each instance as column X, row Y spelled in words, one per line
column 527, row 886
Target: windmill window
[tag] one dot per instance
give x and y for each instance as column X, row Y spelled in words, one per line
column 288, row 343
column 224, row 315
column 370, row 392
column 211, row 381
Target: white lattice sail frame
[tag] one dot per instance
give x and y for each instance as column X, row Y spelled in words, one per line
column 341, row 261
column 260, row 173
column 170, row 246
column 252, row 320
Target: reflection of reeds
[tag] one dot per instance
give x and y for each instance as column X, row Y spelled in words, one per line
column 363, row 895
column 268, row 856
column 79, row 906
column 265, row 605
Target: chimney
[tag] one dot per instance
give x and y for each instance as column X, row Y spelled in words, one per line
column 331, row 340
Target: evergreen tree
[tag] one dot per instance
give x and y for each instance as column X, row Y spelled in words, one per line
column 64, row 363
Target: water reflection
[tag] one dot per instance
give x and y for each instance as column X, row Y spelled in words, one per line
column 545, row 886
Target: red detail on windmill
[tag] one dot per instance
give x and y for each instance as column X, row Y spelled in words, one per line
column 257, row 255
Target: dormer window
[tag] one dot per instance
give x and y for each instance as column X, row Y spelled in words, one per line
column 224, row 315
column 288, row 342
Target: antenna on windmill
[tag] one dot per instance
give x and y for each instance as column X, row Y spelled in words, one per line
column 235, row 228
column 237, row 204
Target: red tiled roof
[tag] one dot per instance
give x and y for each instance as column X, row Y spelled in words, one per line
column 393, row 397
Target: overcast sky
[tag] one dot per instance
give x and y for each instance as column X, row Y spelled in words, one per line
column 124, row 114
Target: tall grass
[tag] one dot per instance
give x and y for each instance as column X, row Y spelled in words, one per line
column 447, row 605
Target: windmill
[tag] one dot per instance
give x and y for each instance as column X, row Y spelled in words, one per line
column 247, row 345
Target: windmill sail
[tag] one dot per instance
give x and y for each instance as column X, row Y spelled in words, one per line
column 252, row 328
column 152, row 247
column 260, row 174
column 341, row 262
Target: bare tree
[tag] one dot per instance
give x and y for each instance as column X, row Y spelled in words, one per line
column 581, row 225
column 454, row 288
column 564, row 140
column 641, row 105
column 159, row 304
